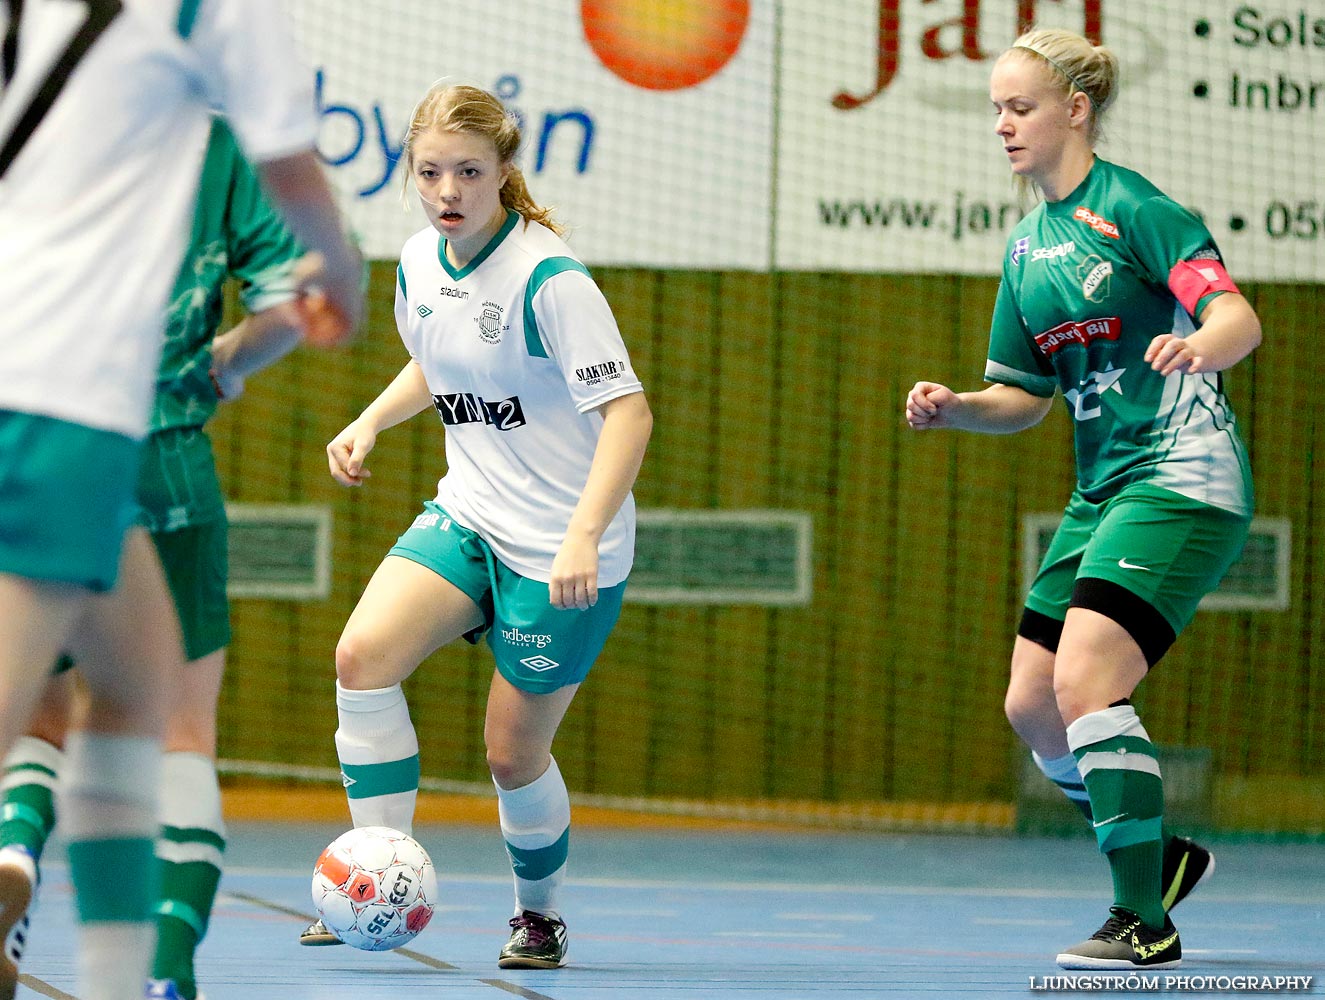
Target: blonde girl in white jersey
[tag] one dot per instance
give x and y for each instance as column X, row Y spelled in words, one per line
column 530, row 537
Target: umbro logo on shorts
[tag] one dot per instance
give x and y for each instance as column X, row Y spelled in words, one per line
column 539, row 663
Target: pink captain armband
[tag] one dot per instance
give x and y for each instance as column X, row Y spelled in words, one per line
column 1192, row 280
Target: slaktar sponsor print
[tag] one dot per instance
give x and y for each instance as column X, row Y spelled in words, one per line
column 606, row 371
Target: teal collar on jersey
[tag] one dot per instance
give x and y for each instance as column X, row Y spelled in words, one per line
column 512, row 217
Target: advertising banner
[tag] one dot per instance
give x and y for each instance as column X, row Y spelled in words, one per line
column 852, row 135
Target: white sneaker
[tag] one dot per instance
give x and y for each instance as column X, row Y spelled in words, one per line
column 18, row 877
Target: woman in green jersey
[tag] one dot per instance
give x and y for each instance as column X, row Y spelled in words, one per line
column 1117, row 297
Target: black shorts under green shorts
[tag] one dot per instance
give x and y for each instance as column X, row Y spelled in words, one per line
column 1165, row 548
column 538, row 648
column 66, row 499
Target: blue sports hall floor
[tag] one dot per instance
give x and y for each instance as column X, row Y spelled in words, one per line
column 698, row 914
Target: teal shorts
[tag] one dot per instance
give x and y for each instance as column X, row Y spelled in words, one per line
column 538, row 648
column 1165, row 548
column 179, row 500
column 194, row 561
column 66, row 499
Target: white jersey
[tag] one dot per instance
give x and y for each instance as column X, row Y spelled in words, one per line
column 95, row 201
column 518, row 348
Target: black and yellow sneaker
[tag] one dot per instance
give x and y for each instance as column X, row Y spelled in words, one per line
column 537, row 942
column 1124, row 942
column 1186, row 864
column 319, row 934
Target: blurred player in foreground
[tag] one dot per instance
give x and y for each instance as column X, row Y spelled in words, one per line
column 235, row 234
column 531, row 536
column 1117, row 296
column 105, row 113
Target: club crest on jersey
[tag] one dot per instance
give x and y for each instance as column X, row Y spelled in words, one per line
column 1095, row 273
column 490, row 326
column 1019, row 250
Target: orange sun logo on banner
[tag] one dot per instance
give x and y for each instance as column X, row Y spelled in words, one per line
column 665, row 44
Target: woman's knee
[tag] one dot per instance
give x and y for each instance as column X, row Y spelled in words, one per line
column 1029, row 700
column 363, row 664
column 513, row 765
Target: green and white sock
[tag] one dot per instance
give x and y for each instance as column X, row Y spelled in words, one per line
column 189, row 855
column 379, row 756
column 1121, row 770
column 535, row 823
column 108, row 811
column 27, row 794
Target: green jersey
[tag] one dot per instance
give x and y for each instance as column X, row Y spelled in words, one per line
column 235, row 233
column 1087, row 285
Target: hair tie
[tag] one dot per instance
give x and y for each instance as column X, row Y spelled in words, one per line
column 1061, row 68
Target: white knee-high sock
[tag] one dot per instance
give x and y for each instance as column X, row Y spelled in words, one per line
column 108, row 809
column 535, row 823
column 379, row 756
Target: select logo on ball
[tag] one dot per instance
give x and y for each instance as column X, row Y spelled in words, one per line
column 374, row 888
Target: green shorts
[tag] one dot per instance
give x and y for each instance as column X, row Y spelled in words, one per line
column 1168, row 550
column 181, row 503
column 66, row 499
column 195, row 561
column 177, row 482
column 538, row 648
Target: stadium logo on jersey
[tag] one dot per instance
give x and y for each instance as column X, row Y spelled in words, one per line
column 451, row 292
column 465, row 408
column 489, row 322
column 1019, row 250
column 1083, row 332
column 515, row 637
column 1095, row 274
column 424, row 312
column 1049, row 253
column 1085, row 401
column 1101, row 225
column 607, row 371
